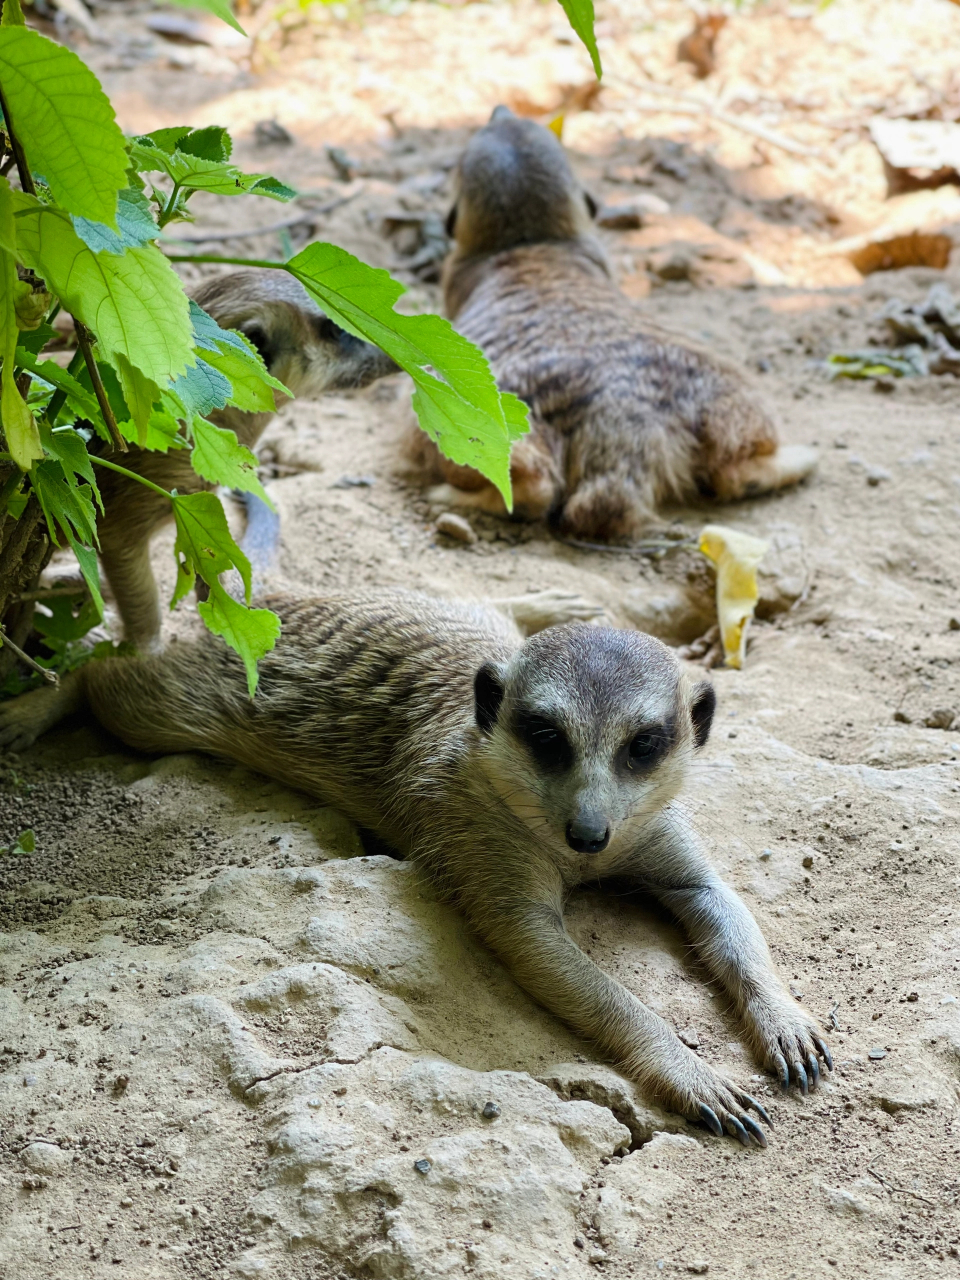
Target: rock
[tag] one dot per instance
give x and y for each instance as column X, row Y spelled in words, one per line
column 690, row 1037
column 44, row 1157
column 875, row 475
column 640, row 1188
column 942, row 718
column 271, row 133
column 337, row 1177
column 607, row 1088
column 629, row 215
column 808, row 861
column 490, row 1111
column 844, row 1202
column 456, row 527
column 698, row 1268
column 875, row 1055
column 917, row 153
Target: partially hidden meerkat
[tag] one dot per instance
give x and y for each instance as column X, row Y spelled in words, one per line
column 623, row 415
column 510, row 769
column 301, row 347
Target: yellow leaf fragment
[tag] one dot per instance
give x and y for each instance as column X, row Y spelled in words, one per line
column 556, row 126
column 736, row 557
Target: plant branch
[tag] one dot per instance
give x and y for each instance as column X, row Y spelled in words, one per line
column 83, row 339
column 51, row 677
column 19, row 155
column 59, row 397
column 131, row 475
column 234, row 262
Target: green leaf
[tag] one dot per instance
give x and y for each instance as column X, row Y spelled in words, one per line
column 251, row 632
column 197, row 172
column 211, row 143
column 19, row 427
column 135, row 226
column 64, row 122
column 65, row 622
column 64, row 504
column 237, row 359
column 139, row 392
column 89, row 567
column 79, row 397
column 163, row 432
column 580, row 15
column 204, row 543
column 26, row 841
column 458, row 404
column 70, row 451
column 34, row 340
column 134, row 301
column 201, row 389
column 219, row 458
column 220, row 8
column 8, row 226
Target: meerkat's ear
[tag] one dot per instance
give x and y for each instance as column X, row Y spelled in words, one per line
column 592, row 207
column 701, row 712
column 488, row 695
column 450, row 226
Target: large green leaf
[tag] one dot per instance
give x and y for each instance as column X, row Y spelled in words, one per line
column 79, row 398
column 218, row 457
column 135, row 225
column 134, row 301
column 251, row 632
column 580, row 15
column 64, row 122
column 163, row 432
column 198, row 160
column 201, row 390
column 70, row 451
column 458, row 403
column 204, row 543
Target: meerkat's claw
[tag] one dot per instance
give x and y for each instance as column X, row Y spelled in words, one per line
column 736, row 1130
column 759, row 1137
column 800, row 1076
column 813, row 1070
column 824, row 1052
column 761, row 1111
column 709, row 1118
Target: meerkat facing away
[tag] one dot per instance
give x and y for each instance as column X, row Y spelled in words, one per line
column 301, row 347
column 623, row 415
column 511, row 770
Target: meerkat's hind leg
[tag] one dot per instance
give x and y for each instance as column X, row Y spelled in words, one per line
column 23, row 720
column 538, row 610
column 764, row 473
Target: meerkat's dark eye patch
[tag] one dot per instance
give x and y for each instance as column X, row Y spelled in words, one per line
column 647, row 746
column 326, row 330
column 701, row 712
column 487, row 696
column 450, row 225
column 547, row 743
column 256, row 334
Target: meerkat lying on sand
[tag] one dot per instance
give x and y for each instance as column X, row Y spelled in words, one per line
column 511, row 770
column 299, row 345
column 623, row 415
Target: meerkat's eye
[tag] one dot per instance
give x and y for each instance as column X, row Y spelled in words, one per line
column 546, row 741
column 643, row 748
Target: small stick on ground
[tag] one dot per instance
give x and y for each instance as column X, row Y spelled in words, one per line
column 51, row 677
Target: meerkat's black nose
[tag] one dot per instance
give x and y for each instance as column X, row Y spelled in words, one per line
column 588, row 833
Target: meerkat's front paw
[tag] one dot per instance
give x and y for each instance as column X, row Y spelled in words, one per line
column 691, row 1087
column 24, row 719
column 789, row 1043
column 551, row 608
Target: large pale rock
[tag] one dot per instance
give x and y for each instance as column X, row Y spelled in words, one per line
column 391, row 1166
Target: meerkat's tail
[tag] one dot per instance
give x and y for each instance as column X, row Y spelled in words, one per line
column 261, row 541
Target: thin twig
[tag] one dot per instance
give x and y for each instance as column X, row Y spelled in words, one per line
column 49, row 593
column 23, row 169
column 83, row 341
column 685, row 105
column 892, row 1186
column 51, row 677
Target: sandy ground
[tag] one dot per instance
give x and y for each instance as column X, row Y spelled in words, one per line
column 227, row 1034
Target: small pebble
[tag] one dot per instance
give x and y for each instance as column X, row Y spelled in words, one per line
column 876, row 474
column 876, row 1054
column 808, row 860
column 698, row 1268
column 942, row 718
column 953, row 624
column 355, row 482
column 913, row 997
column 456, row 527
column 422, row 1166
column 126, row 1202
column 690, row 1037
column 490, row 1111
column 766, row 855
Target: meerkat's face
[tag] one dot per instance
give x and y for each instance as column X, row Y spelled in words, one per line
column 589, row 732
column 515, row 186
column 305, row 349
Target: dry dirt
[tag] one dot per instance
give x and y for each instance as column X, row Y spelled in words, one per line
column 227, row 1033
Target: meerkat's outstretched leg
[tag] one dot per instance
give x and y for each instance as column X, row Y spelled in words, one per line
column 530, row 937
column 672, row 866
column 551, row 608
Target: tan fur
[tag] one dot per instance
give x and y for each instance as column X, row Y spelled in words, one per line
column 624, row 416
column 300, row 347
column 429, row 723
